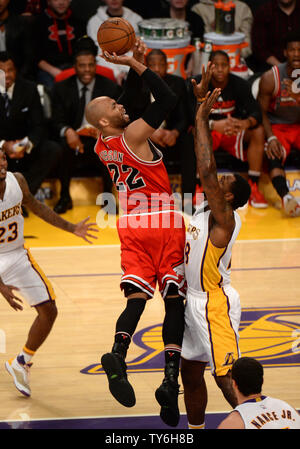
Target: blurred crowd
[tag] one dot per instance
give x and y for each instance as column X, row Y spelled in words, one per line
column 50, row 56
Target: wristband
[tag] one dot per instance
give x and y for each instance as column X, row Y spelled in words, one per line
column 211, row 124
column 201, row 100
column 269, row 139
column 1, row 144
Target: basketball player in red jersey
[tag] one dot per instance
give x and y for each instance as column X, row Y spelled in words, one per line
column 151, row 232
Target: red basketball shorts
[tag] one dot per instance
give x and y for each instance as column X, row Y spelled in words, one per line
column 153, row 254
column 233, row 145
column 288, row 136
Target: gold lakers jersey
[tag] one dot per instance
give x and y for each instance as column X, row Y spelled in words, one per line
column 11, row 218
column 207, row 267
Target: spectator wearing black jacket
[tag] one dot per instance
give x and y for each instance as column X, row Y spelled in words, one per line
column 21, row 117
column 235, row 121
column 15, row 38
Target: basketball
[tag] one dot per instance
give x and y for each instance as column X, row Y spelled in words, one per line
column 116, row 35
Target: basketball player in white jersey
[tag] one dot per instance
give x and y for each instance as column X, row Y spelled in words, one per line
column 19, row 271
column 255, row 411
column 212, row 312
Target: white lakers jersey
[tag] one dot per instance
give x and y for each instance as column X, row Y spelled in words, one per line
column 207, row 267
column 268, row 413
column 11, row 218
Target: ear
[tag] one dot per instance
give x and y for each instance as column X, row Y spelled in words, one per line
column 229, row 196
column 103, row 122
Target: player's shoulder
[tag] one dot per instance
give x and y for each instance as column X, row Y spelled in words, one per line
column 232, row 421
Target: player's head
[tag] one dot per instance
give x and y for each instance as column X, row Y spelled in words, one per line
column 3, row 165
column 8, row 65
column 221, row 61
column 292, row 49
column 156, row 60
column 248, row 376
column 104, row 113
column 59, row 7
column 236, row 189
column 85, row 53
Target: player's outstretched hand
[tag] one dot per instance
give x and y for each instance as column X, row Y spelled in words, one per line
column 115, row 59
column 207, row 104
column 139, row 50
column 11, row 298
column 200, row 89
column 83, row 230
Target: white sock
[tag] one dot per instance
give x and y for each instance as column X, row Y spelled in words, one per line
column 27, row 354
column 196, row 426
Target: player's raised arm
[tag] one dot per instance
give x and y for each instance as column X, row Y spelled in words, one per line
column 81, row 229
column 218, row 201
column 165, row 100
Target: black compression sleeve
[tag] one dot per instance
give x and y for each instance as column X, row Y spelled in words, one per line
column 165, row 99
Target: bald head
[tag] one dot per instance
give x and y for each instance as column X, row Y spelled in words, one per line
column 96, row 110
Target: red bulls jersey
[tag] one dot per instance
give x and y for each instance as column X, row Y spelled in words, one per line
column 143, row 186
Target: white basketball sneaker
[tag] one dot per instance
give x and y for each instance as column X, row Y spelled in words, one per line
column 20, row 374
column 291, row 206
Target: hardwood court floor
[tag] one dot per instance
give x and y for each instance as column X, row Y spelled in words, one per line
column 66, row 377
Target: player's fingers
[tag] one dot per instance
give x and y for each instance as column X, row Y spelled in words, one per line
column 12, row 287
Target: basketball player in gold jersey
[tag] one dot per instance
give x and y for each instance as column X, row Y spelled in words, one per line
column 18, row 270
column 212, row 312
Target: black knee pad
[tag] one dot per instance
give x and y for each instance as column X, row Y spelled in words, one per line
column 275, row 163
column 129, row 318
column 130, row 288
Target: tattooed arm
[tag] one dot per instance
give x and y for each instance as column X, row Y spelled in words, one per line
column 222, row 222
column 80, row 229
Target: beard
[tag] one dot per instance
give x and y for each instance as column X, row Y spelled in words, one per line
column 286, row 4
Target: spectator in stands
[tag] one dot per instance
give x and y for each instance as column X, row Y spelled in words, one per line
column 254, row 4
column 243, row 19
column 235, row 121
column 21, row 117
column 56, row 32
column 172, row 138
column 112, row 8
column 279, row 97
column 15, row 39
column 272, row 22
column 181, row 9
column 147, row 9
column 69, row 98
column 28, row 7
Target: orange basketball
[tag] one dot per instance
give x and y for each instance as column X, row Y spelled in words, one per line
column 116, row 35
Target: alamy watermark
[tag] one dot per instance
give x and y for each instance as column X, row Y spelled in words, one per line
column 137, row 210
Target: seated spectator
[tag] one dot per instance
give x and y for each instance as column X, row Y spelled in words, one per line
column 243, row 19
column 181, row 9
column 15, row 38
column 254, row 4
column 22, row 130
column 69, row 98
column 56, row 32
column 172, row 138
column 147, row 9
column 112, row 8
column 280, row 105
column 28, row 7
column 235, row 121
column 271, row 24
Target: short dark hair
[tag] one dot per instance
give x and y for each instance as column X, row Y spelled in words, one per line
column 6, row 56
column 248, row 373
column 219, row 53
column 85, row 46
column 241, row 191
column 292, row 36
column 156, row 52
